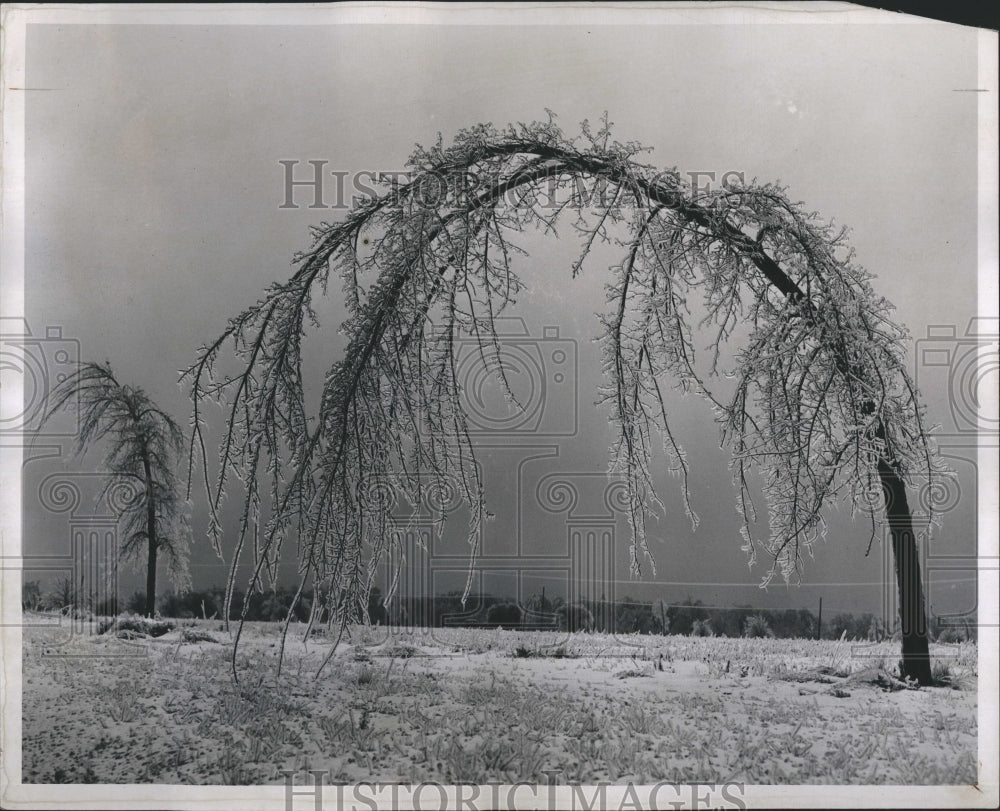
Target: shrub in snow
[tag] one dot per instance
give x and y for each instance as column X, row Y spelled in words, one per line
column 756, row 627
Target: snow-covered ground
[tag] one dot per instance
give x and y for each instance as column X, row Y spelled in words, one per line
column 452, row 705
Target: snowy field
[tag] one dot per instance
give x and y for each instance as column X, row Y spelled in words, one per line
column 453, row 705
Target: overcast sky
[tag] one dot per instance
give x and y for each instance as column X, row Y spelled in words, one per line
column 154, row 190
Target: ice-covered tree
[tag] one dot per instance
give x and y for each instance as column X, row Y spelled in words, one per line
column 815, row 402
column 143, row 445
column 63, row 595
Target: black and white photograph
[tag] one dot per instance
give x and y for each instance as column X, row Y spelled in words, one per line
column 510, row 406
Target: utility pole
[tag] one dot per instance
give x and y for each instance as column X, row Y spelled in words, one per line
column 819, row 624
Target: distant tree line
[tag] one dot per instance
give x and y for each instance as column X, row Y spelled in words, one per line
column 624, row 616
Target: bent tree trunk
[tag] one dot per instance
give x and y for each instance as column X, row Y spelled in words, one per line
column 916, row 663
column 151, row 539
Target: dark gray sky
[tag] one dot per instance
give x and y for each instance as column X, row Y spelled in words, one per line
column 154, row 190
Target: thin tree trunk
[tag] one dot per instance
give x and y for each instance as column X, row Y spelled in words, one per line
column 916, row 662
column 151, row 536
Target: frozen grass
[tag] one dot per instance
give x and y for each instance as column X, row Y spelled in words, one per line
column 480, row 706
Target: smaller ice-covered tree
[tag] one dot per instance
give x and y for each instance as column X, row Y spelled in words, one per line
column 143, row 444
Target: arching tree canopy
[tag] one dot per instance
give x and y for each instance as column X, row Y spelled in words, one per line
column 818, row 400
